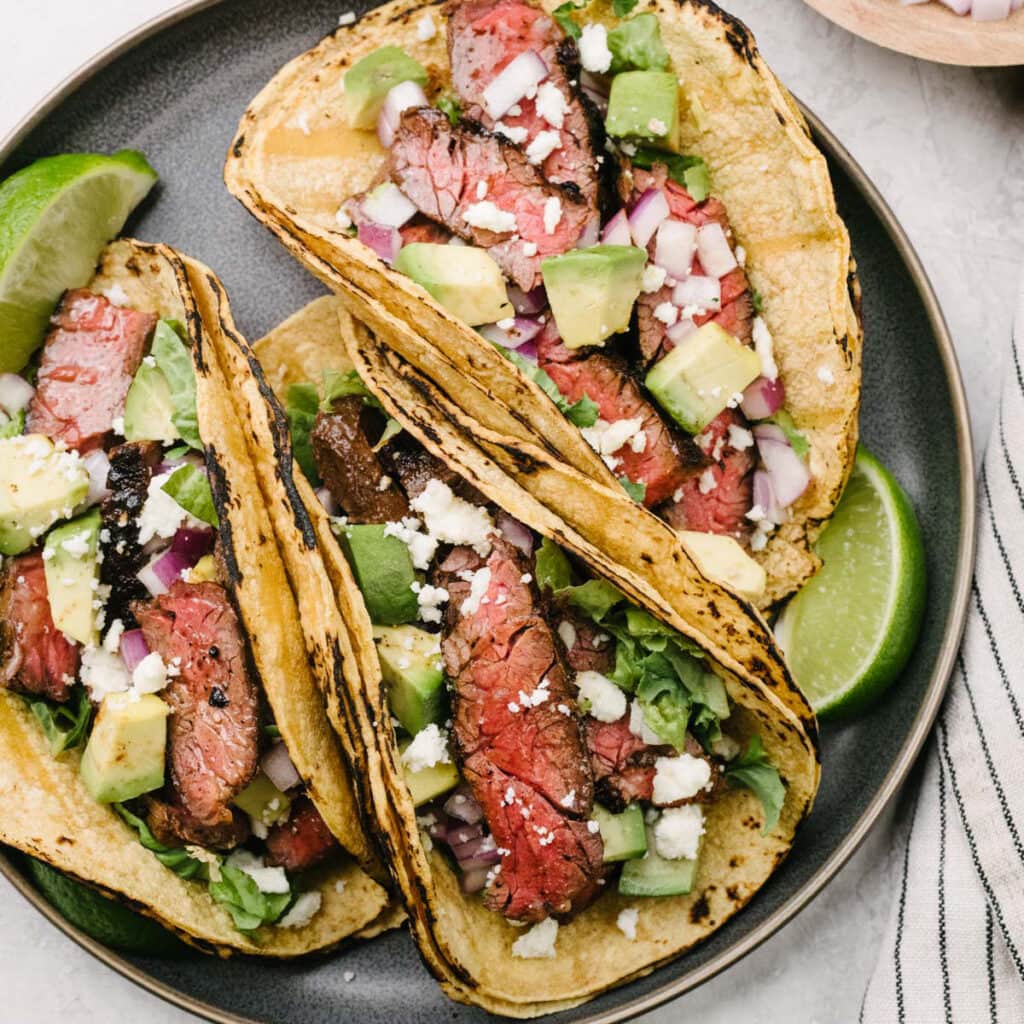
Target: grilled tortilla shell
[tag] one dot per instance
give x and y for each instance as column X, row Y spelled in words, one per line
column 467, row 947
column 295, row 160
column 45, row 809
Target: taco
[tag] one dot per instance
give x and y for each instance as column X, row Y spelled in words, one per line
column 562, row 767
column 631, row 213
column 164, row 739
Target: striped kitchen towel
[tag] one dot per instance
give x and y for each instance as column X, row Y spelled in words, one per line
column 954, row 948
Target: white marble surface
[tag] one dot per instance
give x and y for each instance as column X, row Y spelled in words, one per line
column 946, row 147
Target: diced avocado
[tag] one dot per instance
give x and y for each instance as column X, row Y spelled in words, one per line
column 38, row 486
column 384, row 571
column 262, row 800
column 369, row 81
column 204, row 571
column 410, row 661
column 464, row 279
column 652, row 875
column 124, row 757
column 645, row 105
column 592, row 291
column 623, row 835
column 429, row 783
column 699, row 378
column 636, row 44
column 148, row 407
column 72, row 576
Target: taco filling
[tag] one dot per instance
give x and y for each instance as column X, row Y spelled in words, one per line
column 544, row 201
column 117, row 625
column 557, row 740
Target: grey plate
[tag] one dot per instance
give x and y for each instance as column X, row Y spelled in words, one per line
column 176, row 89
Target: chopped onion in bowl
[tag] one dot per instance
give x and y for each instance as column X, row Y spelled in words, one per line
column 383, row 240
column 763, row 398
column 645, row 218
column 528, row 303
column 387, row 205
column 674, row 248
column 703, row 292
column 279, row 769
column 788, row 472
column 97, row 465
column 616, row 231
column 523, row 329
column 400, row 98
column 133, row 647
column 514, row 82
column 15, row 393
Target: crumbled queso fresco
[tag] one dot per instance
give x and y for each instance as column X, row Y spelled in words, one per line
column 679, row 778
column 607, row 701
column 488, row 216
column 452, row 519
column 539, row 942
column 593, row 46
column 626, row 922
column 677, row 832
column 428, row 748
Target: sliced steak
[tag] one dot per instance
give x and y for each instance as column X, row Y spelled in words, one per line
column 35, row 656
column 587, row 647
column 668, row 457
column 89, row 358
column 213, row 733
column 350, row 468
column 484, row 37
column 301, row 842
column 622, row 763
column 415, row 468
column 451, row 173
column 131, row 470
column 172, row 825
column 737, row 313
column 419, row 229
column 718, row 503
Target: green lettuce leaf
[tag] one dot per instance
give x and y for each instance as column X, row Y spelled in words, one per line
column 622, row 7
column 689, row 171
column 798, row 442
column 175, row 363
column 337, row 384
column 583, row 413
column 551, row 567
column 636, row 44
column 64, row 725
column 190, row 488
column 301, row 404
column 242, row 899
column 637, row 491
column 752, row 770
column 14, row 426
column 450, row 107
column 177, row 859
column 563, row 15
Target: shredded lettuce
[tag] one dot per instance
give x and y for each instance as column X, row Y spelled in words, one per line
column 302, row 402
column 449, row 106
column 190, row 488
column 175, row 363
column 595, row 598
column 563, row 15
column 178, row 859
column 337, row 384
column 622, row 7
column 689, row 171
column 752, row 770
column 636, row 44
column 583, row 413
column 757, row 301
column 637, row 490
column 798, row 441
column 14, row 426
column 64, row 725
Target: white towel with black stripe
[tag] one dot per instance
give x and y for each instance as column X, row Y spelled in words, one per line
column 954, row 948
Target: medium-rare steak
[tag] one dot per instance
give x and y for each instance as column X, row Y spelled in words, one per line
column 131, row 470
column 587, row 647
column 622, row 763
column 484, row 189
column 213, row 730
column 484, row 37
column 89, row 358
column 172, row 825
column 666, row 459
column 301, row 842
column 35, row 656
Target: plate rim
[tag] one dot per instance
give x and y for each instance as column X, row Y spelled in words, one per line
column 937, row 683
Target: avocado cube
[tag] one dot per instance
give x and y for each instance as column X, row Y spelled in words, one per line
column 410, row 661
column 652, row 875
column 124, row 757
column 464, row 279
column 38, row 486
column 384, row 571
column 592, row 291
column 429, row 783
column 148, row 407
column 699, row 378
column 369, row 80
column 262, row 800
column 72, row 576
column 623, row 835
column 645, row 105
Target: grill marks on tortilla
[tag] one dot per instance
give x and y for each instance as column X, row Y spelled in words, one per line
column 446, row 170
column 524, row 758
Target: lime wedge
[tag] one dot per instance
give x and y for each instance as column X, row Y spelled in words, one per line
column 849, row 632
column 55, row 217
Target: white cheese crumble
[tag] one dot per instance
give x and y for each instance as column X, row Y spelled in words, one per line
column 764, row 348
column 638, row 725
column 551, row 104
column 303, row 911
column 103, row 672
column 428, row 748
column 707, row 482
column 161, row 515
column 552, row 214
column 539, row 942
column 112, row 641
column 348, row 18
column 679, row 778
column 756, row 514
column 607, row 701
column 607, row 438
column 429, row 598
column 741, row 255
column 657, row 127
column 567, row 634
column 117, row 295
column 511, row 132
column 481, row 189
column 666, row 313
column 425, row 28
column 488, row 216
column 593, row 46
column 653, row 278
column 677, row 832
column 422, row 546
column 626, row 922
column 478, row 584
column 542, row 146
column 150, row 675
column 739, row 437
column 384, row 483
column 269, row 880
column 452, row 519
column 825, row 375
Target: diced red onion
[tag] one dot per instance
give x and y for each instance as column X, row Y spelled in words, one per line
column 789, row 474
column 591, row 233
column 523, row 329
column 133, row 647
column 764, row 496
column 438, row 828
column 616, row 231
column 462, row 805
column 388, row 206
column 527, row 303
column 460, row 833
column 479, row 852
column 326, row 499
column 674, row 248
column 192, row 543
column 279, row 768
column 990, row 10
column 763, row 398
column 514, row 82
column 383, row 240
column 169, row 566
column 680, row 330
column 400, row 98
column 517, row 535
column 528, row 351
column 644, row 219
column 716, row 255
column 474, row 881
column 97, row 465
column 957, row 6
column 697, row 290
column 151, row 579
column 15, row 393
